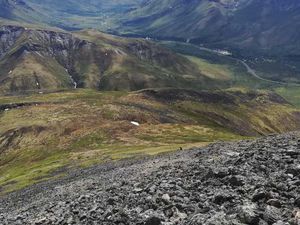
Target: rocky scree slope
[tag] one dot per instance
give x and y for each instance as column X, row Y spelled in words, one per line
column 248, row 182
column 36, row 59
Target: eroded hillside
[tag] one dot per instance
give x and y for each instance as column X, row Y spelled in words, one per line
column 36, row 59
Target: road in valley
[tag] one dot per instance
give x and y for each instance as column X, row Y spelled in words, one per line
column 250, row 70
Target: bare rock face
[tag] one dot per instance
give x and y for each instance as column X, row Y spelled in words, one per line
column 60, row 45
column 8, row 37
column 249, row 182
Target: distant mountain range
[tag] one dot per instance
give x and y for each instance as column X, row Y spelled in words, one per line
column 264, row 26
column 16, row 10
column 68, row 14
column 265, row 33
column 259, row 26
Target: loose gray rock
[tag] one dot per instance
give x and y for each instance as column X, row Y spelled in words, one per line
column 254, row 182
column 249, row 214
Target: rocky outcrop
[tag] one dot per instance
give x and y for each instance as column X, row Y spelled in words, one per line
column 248, row 182
column 8, row 37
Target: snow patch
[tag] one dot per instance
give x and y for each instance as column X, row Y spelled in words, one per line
column 223, row 52
column 119, row 52
column 72, row 79
column 135, row 123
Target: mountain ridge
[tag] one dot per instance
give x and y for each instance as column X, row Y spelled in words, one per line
column 49, row 59
column 212, row 23
column 260, row 26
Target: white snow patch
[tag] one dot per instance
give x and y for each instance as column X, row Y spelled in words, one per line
column 6, row 109
column 223, row 52
column 10, row 72
column 37, row 83
column 72, row 79
column 119, row 52
column 75, row 84
column 135, row 123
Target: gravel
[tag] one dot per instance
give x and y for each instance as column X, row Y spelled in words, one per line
column 254, row 182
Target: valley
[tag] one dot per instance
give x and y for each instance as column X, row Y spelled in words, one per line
column 149, row 112
column 254, row 67
column 270, row 48
column 75, row 99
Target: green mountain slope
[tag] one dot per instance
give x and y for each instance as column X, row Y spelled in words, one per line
column 38, row 59
column 263, row 32
column 42, row 135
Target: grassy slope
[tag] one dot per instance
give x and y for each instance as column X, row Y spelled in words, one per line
column 232, row 73
column 107, row 62
column 137, row 63
column 28, row 25
column 291, row 93
column 84, row 127
column 126, row 64
column 39, row 139
column 218, row 67
column 34, row 72
column 223, row 68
